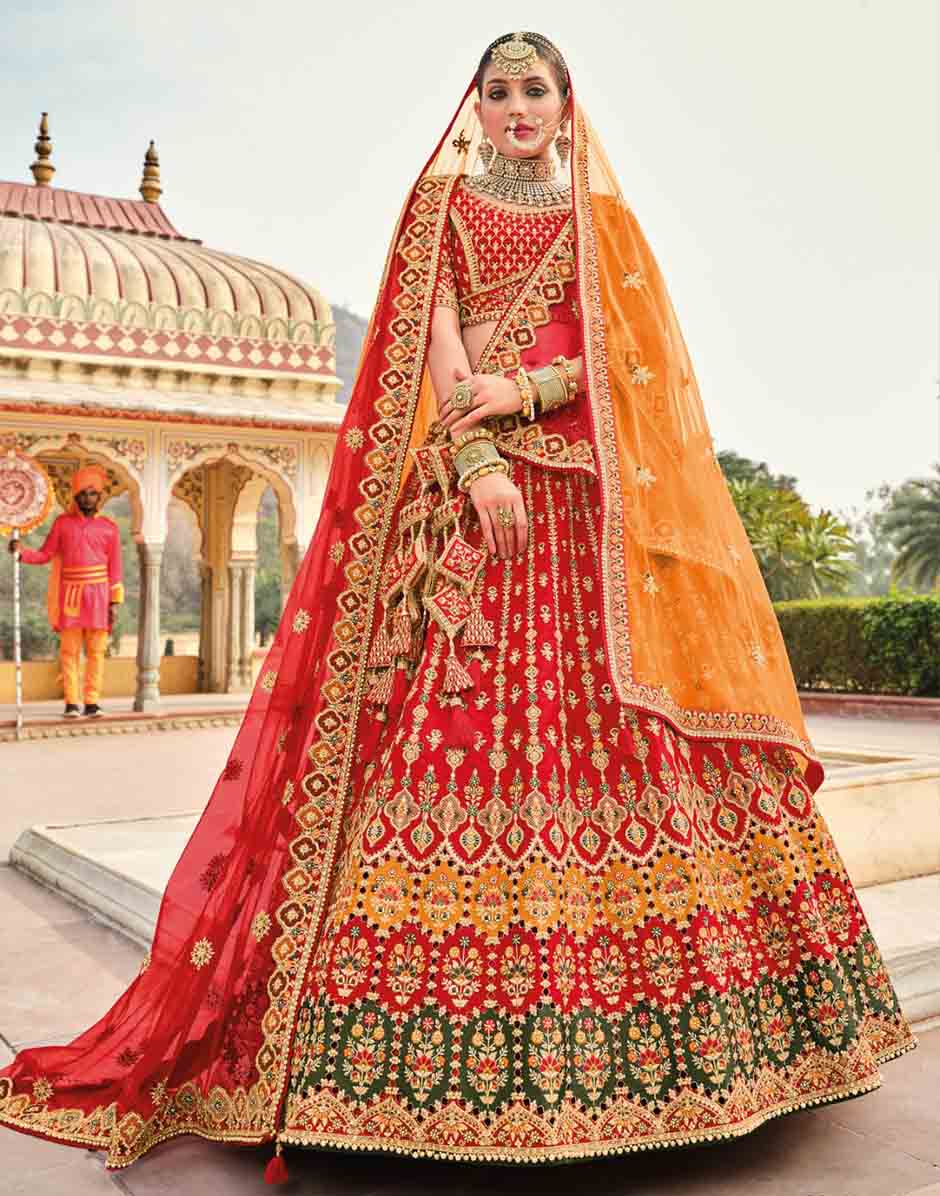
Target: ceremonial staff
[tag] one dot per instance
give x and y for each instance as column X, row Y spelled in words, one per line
column 25, row 499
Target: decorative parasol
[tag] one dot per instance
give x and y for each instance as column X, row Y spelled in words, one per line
column 26, row 496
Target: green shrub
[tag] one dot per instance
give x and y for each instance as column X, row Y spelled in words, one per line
column 864, row 645
column 37, row 639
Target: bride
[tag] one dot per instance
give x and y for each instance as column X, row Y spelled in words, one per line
column 516, row 855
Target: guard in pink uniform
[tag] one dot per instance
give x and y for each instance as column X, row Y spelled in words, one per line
column 85, row 586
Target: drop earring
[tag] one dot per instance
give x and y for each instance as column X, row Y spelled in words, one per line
column 563, row 144
column 486, row 151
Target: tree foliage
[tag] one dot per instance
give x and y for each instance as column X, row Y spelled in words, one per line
column 800, row 555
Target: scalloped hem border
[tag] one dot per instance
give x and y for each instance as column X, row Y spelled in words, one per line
column 545, row 1156
column 582, row 1151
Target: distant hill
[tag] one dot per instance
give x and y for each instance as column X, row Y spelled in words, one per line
column 350, row 332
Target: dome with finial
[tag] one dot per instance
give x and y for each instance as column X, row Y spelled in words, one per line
column 113, row 282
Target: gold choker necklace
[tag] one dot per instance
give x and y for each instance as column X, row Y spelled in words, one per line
column 529, row 182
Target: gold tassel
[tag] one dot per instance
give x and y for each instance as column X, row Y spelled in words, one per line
column 381, row 690
column 478, row 632
column 456, row 677
column 381, row 653
column 400, row 642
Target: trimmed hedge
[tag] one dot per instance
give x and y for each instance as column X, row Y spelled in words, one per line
column 864, row 645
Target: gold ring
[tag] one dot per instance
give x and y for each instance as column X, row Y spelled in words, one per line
column 505, row 517
column 463, row 396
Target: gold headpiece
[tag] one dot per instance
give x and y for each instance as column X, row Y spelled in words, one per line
column 515, row 53
column 514, row 57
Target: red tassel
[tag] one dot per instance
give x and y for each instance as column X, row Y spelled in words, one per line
column 276, row 1171
column 456, row 676
column 401, row 636
column 381, row 689
column 399, row 689
column 381, row 653
column 462, row 732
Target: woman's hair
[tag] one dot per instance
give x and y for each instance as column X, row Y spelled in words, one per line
column 546, row 50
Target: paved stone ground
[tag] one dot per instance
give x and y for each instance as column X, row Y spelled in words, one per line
column 884, row 1144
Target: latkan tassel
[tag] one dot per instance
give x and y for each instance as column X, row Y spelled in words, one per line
column 381, row 653
column 276, row 1171
column 461, row 732
column 478, row 632
column 456, row 677
column 401, row 633
column 381, row 690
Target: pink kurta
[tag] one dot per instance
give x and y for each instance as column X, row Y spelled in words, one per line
column 87, row 550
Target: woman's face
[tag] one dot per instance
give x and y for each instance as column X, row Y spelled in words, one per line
column 531, row 109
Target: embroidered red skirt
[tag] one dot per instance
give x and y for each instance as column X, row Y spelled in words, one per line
column 558, row 927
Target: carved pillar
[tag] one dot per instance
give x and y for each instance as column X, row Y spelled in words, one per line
column 234, row 636
column 204, row 682
column 147, row 698
column 248, row 622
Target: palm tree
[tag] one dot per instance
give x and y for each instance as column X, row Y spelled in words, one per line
column 800, row 555
column 914, row 521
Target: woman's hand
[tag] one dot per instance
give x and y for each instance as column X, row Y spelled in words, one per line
column 492, row 492
column 492, row 395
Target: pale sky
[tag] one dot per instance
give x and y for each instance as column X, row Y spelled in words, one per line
column 781, row 156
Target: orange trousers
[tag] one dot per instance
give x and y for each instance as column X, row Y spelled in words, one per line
column 70, row 656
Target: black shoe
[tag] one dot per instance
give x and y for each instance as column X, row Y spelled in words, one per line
column 71, row 710
column 93, row 711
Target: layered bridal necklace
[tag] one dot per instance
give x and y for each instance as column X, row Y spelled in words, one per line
column 529, row 182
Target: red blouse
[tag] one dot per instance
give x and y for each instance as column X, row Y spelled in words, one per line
column 488, row 251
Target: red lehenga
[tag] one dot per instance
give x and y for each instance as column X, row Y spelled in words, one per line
column 511, row 860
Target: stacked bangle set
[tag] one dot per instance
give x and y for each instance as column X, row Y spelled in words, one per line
column 542, row 390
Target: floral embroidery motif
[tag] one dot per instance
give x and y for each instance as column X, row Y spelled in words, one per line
column 201, row 954
column 644, row 477
column 260, row 925
column 301, row 622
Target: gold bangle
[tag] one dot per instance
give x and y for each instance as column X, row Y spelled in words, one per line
column 481, row 471
column 552, row 387
column 526, row 394
column 568, row 367
column 478, row 452
column 468, row 437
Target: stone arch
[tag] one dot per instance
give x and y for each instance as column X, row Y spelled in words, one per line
column 85, row 449
column 238, row 454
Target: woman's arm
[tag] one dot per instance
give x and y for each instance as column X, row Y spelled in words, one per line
column 448, row 364
column 447, row 357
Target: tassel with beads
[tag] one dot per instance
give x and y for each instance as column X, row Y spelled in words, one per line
column 456, row 677
column 381, row 652
column 478, row 632
column 401, row 630
column 381, row 690
column 276, row 1171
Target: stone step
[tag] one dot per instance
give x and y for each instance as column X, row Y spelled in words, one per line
column 118, row 869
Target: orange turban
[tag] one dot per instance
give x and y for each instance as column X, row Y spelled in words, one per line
column 89, row 475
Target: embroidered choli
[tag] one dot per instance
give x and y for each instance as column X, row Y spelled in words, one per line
column 489, row 251
column 497, row 260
